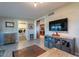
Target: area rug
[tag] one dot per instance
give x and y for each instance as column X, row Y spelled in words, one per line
column 31, row 51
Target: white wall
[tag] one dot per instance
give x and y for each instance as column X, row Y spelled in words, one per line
column 71, row 12
column 9, row 29
column 22, row 24
column 0, row 26
column 30, row 31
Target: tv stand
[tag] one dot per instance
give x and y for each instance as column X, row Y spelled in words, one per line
column 64, row 44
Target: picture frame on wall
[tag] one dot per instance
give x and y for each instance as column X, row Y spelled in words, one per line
column 9, row 24
column 30, row 26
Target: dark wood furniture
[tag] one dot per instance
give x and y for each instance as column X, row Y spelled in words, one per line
column 32, row 51
column 42, row 30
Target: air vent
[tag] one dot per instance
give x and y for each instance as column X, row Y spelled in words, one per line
column 50, row 14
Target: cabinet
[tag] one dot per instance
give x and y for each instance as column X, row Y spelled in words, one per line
column 9, row 38
column 49, row 42
column 64, row 44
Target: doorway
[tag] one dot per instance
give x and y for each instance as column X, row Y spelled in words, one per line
column 22, row 26
column 40, row 29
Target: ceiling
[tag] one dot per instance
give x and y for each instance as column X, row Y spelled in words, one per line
column 27, row 10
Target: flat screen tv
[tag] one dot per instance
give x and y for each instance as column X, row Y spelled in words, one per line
column 59, row 25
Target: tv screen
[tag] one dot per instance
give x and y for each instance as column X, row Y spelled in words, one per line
column 59, row 25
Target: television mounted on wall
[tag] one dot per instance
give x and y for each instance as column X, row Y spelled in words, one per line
column 59, row 25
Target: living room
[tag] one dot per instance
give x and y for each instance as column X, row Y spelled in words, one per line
column 21, row 33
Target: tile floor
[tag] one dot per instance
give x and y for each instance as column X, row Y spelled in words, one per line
column 22, row 44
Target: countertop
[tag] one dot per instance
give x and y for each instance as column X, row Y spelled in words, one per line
column 54, row 52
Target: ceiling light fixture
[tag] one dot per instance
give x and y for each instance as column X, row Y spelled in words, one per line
column 35, row 3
